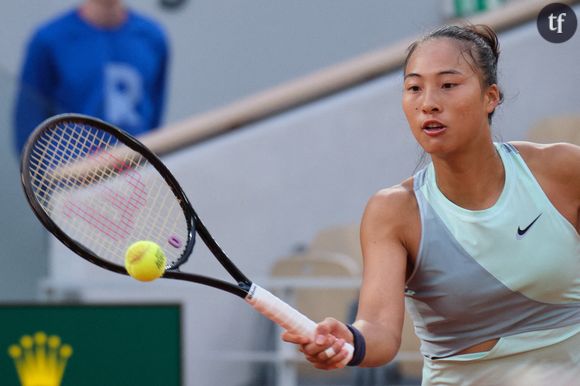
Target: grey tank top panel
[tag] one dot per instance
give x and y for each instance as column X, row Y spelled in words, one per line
column 455, row 303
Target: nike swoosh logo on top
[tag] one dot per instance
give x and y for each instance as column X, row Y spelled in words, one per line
column 522, row 232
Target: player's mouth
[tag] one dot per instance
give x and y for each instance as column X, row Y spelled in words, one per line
column 433, row 128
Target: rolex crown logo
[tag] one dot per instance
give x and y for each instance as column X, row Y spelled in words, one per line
column 40, row 360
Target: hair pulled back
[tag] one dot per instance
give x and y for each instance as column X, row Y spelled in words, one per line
column 479, row 41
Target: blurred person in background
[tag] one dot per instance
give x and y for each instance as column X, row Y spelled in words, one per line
column 482, row 246
column 101, row 59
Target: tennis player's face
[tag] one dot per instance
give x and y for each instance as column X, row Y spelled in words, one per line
column 443, row 98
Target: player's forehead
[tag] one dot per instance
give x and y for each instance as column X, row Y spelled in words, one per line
column 439, row 56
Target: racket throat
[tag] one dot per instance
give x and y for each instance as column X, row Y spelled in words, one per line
column 251, row 296
column 246, row 285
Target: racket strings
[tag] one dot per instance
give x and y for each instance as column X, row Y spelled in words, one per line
column 104, row 195
column 52, row 150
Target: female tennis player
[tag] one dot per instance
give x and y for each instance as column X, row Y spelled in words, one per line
column 482, row 245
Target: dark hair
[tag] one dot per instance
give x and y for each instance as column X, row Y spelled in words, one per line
column 479, row 42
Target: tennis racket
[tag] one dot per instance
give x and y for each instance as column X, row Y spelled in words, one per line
column 99, row 190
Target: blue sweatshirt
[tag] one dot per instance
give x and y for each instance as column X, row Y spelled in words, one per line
column 71, row 66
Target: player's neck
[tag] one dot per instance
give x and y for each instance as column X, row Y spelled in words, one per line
column 103, row 14
column 472, row 180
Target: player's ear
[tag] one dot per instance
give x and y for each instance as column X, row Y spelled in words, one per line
column 492, row 98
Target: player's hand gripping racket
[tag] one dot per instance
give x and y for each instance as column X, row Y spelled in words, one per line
column 99, row 190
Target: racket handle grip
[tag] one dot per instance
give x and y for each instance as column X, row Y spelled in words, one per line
column 285, row 315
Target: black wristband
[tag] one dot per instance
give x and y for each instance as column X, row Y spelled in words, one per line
column 359, row 345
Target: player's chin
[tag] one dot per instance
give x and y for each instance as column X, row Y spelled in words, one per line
column 427, row 141
column 438, row 145
column 433, row 147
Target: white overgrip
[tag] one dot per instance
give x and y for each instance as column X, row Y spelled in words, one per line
column 286, row 316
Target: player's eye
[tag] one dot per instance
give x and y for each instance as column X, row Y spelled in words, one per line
column 449, row 85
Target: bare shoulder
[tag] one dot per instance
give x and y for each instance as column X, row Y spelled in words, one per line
column 393, row 200
column 560, row 160
column 390, row 210
column 549, row 149
column 557, row 169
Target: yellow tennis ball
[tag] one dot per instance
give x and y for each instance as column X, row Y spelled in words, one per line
column 145, row 261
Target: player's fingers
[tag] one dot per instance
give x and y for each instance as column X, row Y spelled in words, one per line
column 322, row 336
column 324, row 326
column 329, row 366
column 331, row 326
column 296, row 339
column 330, row 352
column 315, row 348
column 338, row 361
column 323, row 329
column 321, row 343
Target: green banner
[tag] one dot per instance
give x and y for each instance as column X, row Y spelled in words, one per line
column 90, row 345
column 463, row 8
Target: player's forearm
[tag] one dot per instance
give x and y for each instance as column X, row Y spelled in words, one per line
column 382, row 343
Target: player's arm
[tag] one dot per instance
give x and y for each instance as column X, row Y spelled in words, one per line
column 381, row 303
column 381, row 310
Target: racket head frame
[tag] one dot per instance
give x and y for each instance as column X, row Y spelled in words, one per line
column 127, row 140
